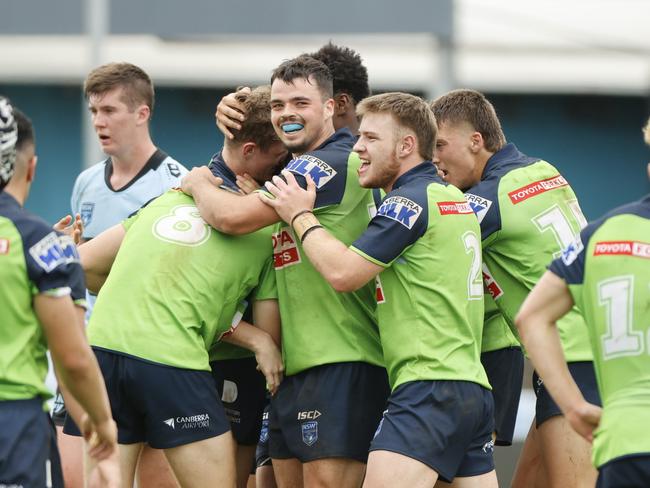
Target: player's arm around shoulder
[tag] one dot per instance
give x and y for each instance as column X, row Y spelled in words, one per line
column 98, row 254
column 226, row 211
column 343, row 268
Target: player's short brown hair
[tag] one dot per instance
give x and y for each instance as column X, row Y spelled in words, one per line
column 471, row 107
column 136, row 84
column 411, row 113
column 257, row 127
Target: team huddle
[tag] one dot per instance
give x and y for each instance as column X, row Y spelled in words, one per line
column 341, row 298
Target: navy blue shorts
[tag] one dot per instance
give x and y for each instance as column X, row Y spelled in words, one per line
column 58, row 411
column 585, row 377
column 505, row 372
column 262, row 456
column 163, row 406
column 627, row 471
column 28, row 453
column 243, row 393
column 446, row 425
column 327, row 411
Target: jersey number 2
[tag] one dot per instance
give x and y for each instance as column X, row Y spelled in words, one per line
column 475, row 277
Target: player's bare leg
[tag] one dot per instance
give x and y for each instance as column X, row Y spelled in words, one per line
column 530, row 472
column 154, row 471
column 333, row 473
column 487, row 480
column 265, row 478
column 205, row 464
column 566, row 455
column 288, row 473
column 244, row 459
column 389, row 469
column 72, row 458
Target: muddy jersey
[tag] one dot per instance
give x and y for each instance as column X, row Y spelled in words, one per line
column 607, row 269
column 528, row 213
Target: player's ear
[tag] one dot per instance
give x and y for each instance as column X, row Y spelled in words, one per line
column 477, row 142
column 144, row 113
column 342, row 103
column 407, row 145
column 329, row 108
column 248, row 149
column 31, row 168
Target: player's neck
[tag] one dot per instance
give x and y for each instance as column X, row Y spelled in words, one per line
column 406, row 165
column 18, row 191
column 127, row 164
column 233, row 159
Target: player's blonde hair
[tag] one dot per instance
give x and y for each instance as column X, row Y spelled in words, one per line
column 411, row 113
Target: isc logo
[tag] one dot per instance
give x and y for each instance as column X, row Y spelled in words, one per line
column 285, row 250
column 309, row 415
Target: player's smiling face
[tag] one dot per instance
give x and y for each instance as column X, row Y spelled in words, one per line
column 377, row 148
column 113, row 121
column 300, row 116
column 455, row 155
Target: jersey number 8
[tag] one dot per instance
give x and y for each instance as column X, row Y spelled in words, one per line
column 183, row 226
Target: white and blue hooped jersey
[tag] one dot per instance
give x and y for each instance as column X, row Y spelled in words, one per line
column 101, row 206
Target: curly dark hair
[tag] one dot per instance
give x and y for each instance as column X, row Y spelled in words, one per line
column 349, row 74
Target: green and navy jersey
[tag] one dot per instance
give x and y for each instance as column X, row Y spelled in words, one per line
column 224, row 350
column 319, row 325
column 33, row 259
column 528, row 214
column 426, row 237
column 176, row 285
column 496, row 331
column 607, row 270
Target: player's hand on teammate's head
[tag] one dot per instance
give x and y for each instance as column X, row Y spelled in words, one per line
column 247, row 184
column 101, row 438
column 584, row 419
column 289, row 197
column 199, row 175
column 72, row 228
column 269, row 363
column 230, row 112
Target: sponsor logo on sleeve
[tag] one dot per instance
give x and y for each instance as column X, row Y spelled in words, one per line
column 285, row 249
column 454, row 208
column 4, row 246
column 319, row 170
column 636, row 249
column 490, row 285
column 86, row 212
column 53, row 251
column 537, row 188
column 573, row 250
column 479, row 205
column 401, row 210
